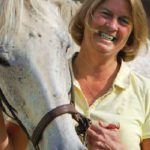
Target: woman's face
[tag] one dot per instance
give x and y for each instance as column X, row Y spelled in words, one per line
column 113, row 23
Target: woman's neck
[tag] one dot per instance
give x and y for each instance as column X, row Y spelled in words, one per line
column 86, row 65
column 95, row 79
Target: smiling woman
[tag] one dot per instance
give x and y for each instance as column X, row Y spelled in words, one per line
column 110, row 33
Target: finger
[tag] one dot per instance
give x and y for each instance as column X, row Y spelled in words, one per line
column 95, row 127
column 113, row 126
column 96, row 140
column 91, row 134
column 94, row 144
column 94, row 136
column 110, row 126
column 102, row 124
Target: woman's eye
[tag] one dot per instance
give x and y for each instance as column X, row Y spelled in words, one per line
column 124, row 21
column 105, row 13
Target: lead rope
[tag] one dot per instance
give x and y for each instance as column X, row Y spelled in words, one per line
column 83, row 122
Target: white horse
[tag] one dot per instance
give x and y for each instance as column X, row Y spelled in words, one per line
column 34, row 74
column 141, row 64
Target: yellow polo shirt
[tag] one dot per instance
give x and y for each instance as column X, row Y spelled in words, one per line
column 127, row 103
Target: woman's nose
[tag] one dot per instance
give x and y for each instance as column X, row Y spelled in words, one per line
column 112, row 24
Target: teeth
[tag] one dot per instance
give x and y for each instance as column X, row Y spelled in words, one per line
column 107, row 37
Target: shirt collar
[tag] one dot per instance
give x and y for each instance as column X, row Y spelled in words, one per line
column 123, row 77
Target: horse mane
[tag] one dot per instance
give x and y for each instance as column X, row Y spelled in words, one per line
column 67, row 8
column 10, row 16
column 11, row 12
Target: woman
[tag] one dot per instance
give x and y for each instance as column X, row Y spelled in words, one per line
column 12, row 137
column 116, row 99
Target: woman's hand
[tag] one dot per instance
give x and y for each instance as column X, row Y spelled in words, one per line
column 104, row 137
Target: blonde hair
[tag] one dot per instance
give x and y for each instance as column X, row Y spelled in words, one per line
column 10, row 15
column 137, row 38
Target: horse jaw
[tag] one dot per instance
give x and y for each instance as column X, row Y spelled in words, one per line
column 57, row 130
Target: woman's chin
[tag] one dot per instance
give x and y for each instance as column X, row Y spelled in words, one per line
column 104, row 48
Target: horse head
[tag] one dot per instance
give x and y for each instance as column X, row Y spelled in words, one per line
column 34, row 73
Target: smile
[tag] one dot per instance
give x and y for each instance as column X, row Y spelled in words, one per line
column 107, row 36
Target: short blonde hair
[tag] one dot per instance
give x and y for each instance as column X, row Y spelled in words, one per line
column 138, row 36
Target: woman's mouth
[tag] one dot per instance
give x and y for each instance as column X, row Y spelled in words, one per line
column 106, row 36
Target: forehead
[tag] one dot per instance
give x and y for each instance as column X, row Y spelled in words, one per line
column 121, row 7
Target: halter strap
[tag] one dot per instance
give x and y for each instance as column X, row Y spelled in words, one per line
column 48, row 118
column 83, row 122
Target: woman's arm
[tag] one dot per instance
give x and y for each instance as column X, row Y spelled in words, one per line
column 145, row 145
column 12, row 137
column 5, row 140
column 16, row 133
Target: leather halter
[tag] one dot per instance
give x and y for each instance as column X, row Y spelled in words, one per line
column 83, row 122
column 58, row 111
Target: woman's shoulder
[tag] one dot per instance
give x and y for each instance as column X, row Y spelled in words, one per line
column 135, row 76
column 139, row 77
column 140, row 80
